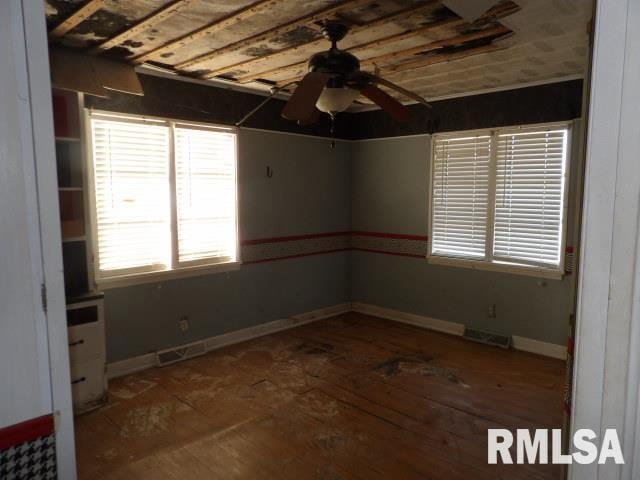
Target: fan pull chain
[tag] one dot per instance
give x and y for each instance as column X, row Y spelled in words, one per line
column 332, row 129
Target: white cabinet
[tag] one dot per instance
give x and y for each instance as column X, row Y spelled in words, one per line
column 87, row 353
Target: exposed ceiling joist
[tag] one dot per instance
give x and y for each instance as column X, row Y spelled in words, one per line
column 269, row 59
column 297, row 70
column 498, row 31
column 441, row 58
column 297, row 67
column 211, row 28
column 274, row 32
column 425, row 61
column 149, row 21
column 84, row 12
column 383, row 42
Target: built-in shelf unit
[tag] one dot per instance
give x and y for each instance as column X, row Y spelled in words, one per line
column 85, row 305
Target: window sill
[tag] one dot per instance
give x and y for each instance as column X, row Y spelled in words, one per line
column 538, row 272
column 163, row 275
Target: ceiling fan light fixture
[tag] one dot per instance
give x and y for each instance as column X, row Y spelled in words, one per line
column 336, row 99
column 334, row 81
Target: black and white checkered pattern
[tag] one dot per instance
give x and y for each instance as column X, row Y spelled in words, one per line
column 32, row 460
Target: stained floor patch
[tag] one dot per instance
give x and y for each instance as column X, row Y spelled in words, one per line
column 147, row 420
column 417, row 364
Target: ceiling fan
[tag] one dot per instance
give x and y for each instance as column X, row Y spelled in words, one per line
column 335, row 80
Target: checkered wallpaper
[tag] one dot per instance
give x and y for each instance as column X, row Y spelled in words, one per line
column 27, row 450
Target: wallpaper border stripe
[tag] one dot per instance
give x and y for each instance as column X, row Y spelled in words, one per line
column 260, row 250
column 26, row 431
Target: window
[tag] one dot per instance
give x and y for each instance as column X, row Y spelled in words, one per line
column 498, row 198
column 164, row 196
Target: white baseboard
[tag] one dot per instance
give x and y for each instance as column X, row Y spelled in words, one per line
column 519, row 343
column 451, row 328
column 131, row 365
column 541, row 348
column 263, row 329
column 143, row 362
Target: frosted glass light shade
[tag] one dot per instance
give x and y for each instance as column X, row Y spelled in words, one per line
column 333, row 100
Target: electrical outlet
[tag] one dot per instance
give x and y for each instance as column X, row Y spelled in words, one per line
column 492, row 310
column 184, row 323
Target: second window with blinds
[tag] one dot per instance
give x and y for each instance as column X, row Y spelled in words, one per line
column 499, row 199
column 164, row 198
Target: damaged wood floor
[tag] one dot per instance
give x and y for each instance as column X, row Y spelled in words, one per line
column 351, row 397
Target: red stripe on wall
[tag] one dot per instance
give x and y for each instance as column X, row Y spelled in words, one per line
column 386, row 252
column 310, row 236
column 26, row 431
column 293, row 238
column 298, row 255
column 399, row 236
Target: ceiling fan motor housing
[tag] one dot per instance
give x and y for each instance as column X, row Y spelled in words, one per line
column 336, row 62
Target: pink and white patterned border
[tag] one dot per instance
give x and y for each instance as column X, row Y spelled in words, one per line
column 279, row 248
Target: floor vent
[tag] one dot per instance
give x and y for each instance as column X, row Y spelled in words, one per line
column 177, row 354
column 488, row 338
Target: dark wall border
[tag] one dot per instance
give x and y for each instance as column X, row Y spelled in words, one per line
column 166, row 97
column 543, row 103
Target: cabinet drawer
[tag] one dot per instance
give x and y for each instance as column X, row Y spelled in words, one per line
column 86, row 342
column 88, row 386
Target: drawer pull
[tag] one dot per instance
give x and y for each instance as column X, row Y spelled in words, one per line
column 75, row 344
column 80, row 380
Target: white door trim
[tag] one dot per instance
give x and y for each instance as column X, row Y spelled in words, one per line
column 43, row 151
column 607, row 336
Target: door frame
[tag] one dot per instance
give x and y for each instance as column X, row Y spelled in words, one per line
column 30, row 40
column 607, row 362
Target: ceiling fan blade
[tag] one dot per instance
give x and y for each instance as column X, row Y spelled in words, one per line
column 315, row 116
column 387, row 103
column 399, row 89
column 303, row 101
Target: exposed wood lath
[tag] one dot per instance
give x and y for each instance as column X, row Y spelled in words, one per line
column 254, row 65
column 447, row 56
column 297, row 70
column 274, row 32
column 439, row 28
column 156, row 17
column 209, row 29
column 91, row 7
column 420, row 44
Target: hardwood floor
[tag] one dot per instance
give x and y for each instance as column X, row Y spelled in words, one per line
column 351, row 397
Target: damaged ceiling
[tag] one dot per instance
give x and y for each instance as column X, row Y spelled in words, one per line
column 422, row 44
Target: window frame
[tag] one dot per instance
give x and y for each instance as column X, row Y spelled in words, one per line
column 490, row 263
column 136, row 276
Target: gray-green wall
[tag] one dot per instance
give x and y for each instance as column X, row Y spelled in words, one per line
column 308, row 193
column 389, row 194
column 371, row 185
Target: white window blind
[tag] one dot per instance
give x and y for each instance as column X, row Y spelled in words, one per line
column 530, row 196
column 131, row 174
column 460, row 180
column 499, row 196
column 205, row 194
column 164, row 195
